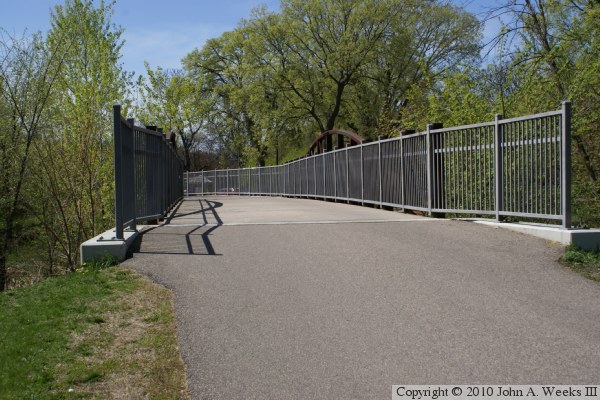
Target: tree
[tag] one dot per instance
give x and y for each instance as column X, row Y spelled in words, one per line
column 459, row 98
column 318, row 49
column 552, row 47
column 28, row 73
column 171, row 100
column 73, row 175
column 281, row 78
column 429, row 42
column 224, row 68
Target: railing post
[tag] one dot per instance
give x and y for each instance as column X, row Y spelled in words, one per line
column 164, row 174
column 163, row 177
column 315, row 173
column 565, row 183
column 402, row 170
column 498, row 167
column 324, row 175
column 285, row 179
column 362, row 177
column 293, row 168
column 437, row 162
column 405, row 180
column 118, row 171
column 429, row 147
column 227, row 180
column 187, row 182
column 334, row 176
column 380, row 171
column 347, row 175
column 306, row 173
column 132, row 225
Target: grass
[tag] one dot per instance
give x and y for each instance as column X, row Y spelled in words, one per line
column 587, row 263
column 99, row 333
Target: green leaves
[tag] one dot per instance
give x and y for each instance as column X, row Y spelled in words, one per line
column 280, row 79
column 56, row 97
column 176, row 102
column 28, row 72
column 553, row 56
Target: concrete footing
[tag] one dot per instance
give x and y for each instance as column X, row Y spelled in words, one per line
column 587, row 239
column 106, row 243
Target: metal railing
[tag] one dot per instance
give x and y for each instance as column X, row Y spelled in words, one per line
column 518, row 167
column 148, row 174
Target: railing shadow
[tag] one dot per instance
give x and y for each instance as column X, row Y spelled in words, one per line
column 211, row 207
column 172, row 239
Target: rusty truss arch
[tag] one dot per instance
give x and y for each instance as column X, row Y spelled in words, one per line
column 324, row 142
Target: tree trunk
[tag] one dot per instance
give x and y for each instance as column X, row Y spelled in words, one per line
column 3, row 274
column 187, row 160
column 6, row 238
column 338, row 104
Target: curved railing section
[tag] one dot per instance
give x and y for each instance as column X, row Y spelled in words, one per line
column 518, row 167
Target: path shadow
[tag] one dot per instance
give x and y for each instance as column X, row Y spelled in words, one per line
column 192, row 241
column 188, row 239
column 202, row 211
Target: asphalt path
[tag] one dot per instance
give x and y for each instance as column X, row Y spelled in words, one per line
column 303, row 299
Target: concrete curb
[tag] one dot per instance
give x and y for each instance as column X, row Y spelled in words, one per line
column 587, row 239
column 105, row 243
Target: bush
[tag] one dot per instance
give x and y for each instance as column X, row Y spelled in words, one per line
column 587, row 263
column 104, row 261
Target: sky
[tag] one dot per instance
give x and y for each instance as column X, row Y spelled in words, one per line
column 163, row 32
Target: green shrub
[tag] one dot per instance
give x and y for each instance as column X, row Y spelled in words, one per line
column 587, row 263
column 104, row 261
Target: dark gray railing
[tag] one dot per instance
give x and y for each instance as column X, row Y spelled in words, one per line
column 148, row 174
column 517, row 167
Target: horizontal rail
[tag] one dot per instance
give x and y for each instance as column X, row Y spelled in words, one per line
column 513, row 168
column 532, row 117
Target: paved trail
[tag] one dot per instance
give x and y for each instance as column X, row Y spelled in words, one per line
column 301, row 299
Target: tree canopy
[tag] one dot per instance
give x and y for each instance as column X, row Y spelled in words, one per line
column 320, row 64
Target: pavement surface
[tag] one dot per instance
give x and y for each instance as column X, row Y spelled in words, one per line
column 304, row 299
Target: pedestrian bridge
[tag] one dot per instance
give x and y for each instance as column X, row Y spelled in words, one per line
column 189, row 227
column 518, row 169
column 254, row 210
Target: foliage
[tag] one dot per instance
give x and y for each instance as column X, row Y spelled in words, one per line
column 552, row 56
column 71, row 190
column 281, row 79
column 100, row 262
column 459, row 98
column 173, row 101
column 28, row 71
column 221, row 68
column 585, row 262
column 56, row 103
column 546, row 52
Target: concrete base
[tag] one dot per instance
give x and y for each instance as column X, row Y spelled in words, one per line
column 587, row 239
column 106, row 243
